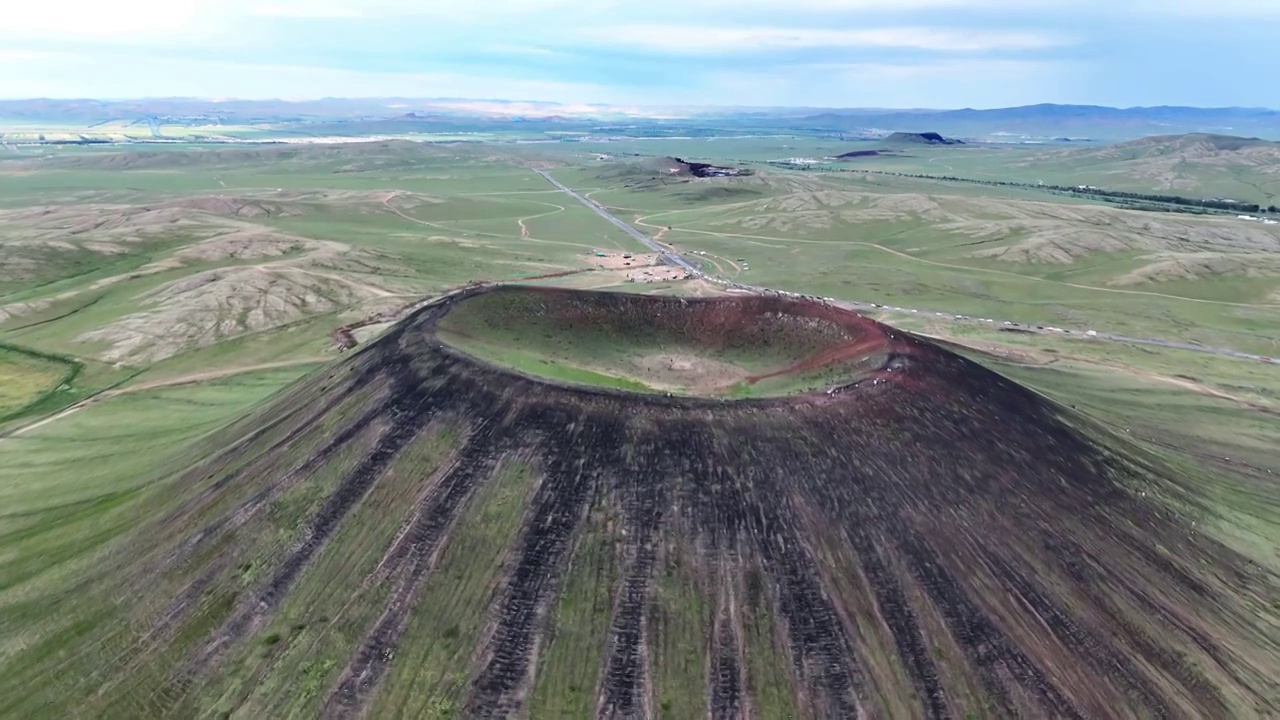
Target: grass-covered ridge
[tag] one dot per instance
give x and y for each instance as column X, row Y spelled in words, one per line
column 739, row 346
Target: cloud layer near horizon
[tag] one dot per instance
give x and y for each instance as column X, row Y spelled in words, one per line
column 819, row 53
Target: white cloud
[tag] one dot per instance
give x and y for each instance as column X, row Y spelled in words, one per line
column 177, row 21
column 694, row 40
column 1227, row 10
column 15, row 55
column 88, row 19
column 451, row 10
column 93, row 48
column 527, row 50
column 1223, row 9
column 950, row 83
column 873, row 5
column 135, row 76
column 310, row 10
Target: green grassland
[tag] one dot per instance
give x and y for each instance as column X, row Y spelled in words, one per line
column 413, row 220
column 1158, row 169
column 1228, row 446
column 916, row 243
column 147, row 287
column 1217, row 418
column 26, row 378
column 1130, row 170
column 72, row 487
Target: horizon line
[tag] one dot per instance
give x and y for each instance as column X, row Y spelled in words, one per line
column 638, row 106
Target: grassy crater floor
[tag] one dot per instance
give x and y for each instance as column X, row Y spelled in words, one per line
column 729, row 346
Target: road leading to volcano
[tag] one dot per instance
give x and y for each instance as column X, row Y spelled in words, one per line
column 677, row 260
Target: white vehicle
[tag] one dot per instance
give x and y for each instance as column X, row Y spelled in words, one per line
column 1091, row 333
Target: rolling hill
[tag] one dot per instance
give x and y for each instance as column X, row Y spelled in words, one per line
column 1200, row 147
column 919, row 138
column 1053, row 120
column 422, row 531
column 1198, row 165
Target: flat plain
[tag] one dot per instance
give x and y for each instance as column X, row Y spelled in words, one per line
column 156, row 303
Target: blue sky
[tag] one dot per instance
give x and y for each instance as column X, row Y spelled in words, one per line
column 833, row 53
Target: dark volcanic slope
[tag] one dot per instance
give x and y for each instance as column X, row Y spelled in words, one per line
column 416, row 534
column 920, row 138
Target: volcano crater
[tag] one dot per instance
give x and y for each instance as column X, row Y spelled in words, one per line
column 727, row 347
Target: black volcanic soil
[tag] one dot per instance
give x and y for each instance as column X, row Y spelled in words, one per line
column 705, row 170
column 672, row 167
column 863, row 153
column 937, row 543
column 921, row 138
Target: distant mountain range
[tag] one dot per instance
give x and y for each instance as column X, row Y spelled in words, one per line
column 1031, row 123
column 1060, row 122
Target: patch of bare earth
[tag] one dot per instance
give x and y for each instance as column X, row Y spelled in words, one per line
column 635, row 267
column 40, row 240
column 1051, row 233
column 687, row 372
column 824, row 209
column 1193, row 266
column 14, row 310
column 623, row 261
column 1172, row 162
column 246, row 244
column 662, row 273
column 702, row 288
column 214, row 305
column 295, row 276
column 1010, row 230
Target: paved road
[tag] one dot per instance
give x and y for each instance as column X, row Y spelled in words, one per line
column 668, row 257
column 673, row 258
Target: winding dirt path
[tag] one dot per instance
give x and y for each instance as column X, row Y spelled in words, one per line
column 435, row 226
column 524, row 229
